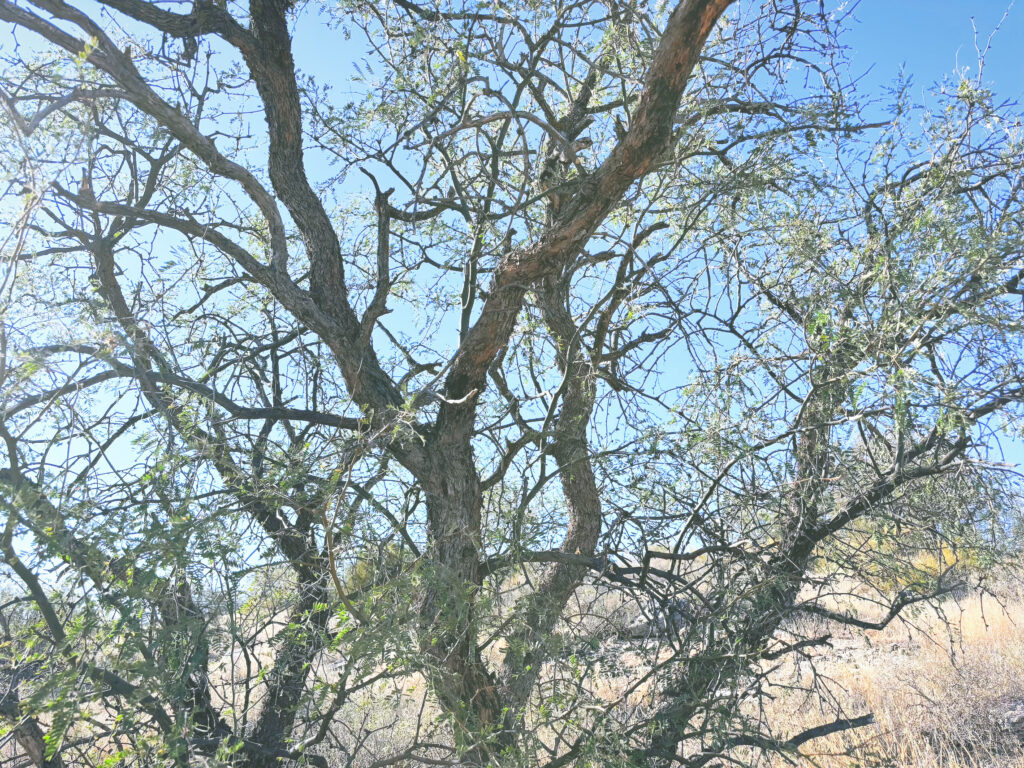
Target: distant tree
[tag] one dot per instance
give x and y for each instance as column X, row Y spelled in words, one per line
column 317, row 395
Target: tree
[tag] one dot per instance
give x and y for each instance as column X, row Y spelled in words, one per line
column 640, row 307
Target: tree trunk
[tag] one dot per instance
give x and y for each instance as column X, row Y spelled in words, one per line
column 447, row 611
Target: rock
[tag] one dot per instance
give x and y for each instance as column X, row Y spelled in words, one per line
column 661, row 620
column 1011, row 718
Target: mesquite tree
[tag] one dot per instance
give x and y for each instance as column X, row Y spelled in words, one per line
column 349, row 415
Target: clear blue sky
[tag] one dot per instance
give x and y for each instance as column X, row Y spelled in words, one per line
column 935, row 37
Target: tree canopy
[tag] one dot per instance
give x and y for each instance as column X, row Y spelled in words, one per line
column 355, row 417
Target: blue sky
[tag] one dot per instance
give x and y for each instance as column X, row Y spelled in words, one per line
column 928, row 40
column 931, row 39
column 935, row 37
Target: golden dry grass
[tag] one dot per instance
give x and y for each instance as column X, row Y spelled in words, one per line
column 938, row 686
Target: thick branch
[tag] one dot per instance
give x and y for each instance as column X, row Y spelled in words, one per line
column 649, row 133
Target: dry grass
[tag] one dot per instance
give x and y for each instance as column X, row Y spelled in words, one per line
column 939, row 686
column 937, row 683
